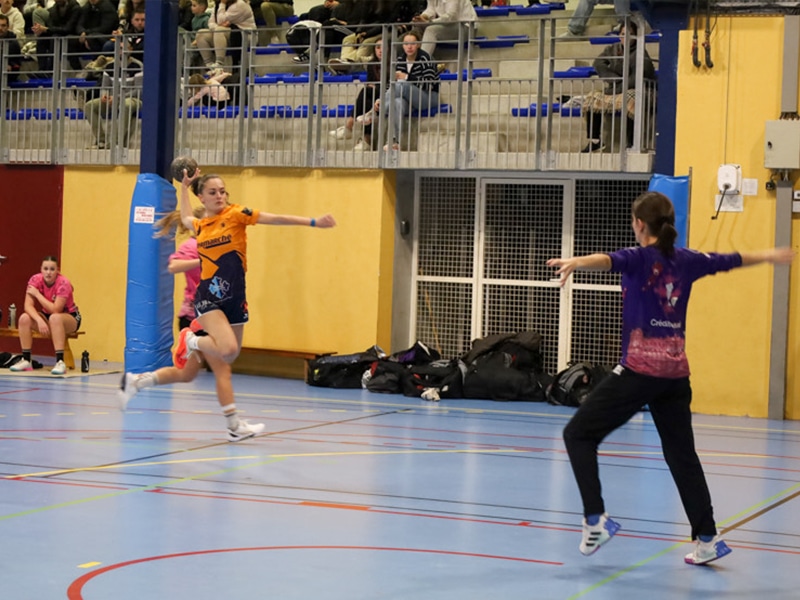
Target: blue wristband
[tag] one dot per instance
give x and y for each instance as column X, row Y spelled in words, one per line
column 313, row 222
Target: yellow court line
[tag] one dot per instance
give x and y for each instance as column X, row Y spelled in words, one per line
column 89, row 565
column 127, row 465
column 269, row 456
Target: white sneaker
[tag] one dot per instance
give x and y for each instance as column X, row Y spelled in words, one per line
column 127, row 389
column 595, row 536
column 244, row 430
column 59, row 369
column 706, row 552
column 341, row 133
column 275, row 40
column 23, row 365
column 361, row 146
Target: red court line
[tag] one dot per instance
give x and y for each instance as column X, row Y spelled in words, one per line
column 75, row 590
column 20, row 392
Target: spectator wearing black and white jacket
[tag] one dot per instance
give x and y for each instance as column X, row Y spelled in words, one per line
column 416, row 85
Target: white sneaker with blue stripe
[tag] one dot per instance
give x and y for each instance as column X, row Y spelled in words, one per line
column 595, row 536
column 706, row 552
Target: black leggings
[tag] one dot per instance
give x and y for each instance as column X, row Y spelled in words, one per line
column 615, row 400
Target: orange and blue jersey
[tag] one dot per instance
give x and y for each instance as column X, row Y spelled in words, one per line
column 222, row 246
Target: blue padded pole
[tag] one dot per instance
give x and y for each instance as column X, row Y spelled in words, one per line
column 149, row 308
column 676, row 188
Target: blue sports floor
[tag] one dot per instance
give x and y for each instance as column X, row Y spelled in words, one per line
column 350, row 495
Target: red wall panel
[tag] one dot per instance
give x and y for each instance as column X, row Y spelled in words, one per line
column 31, row 201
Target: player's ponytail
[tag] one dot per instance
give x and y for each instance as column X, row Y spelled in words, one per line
column 657, row 212
column 171, row 223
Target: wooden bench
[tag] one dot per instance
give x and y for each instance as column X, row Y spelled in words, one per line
column 276, row 362
column 69, row 359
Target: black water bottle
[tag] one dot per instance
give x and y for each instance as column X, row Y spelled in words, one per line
column 85, row 362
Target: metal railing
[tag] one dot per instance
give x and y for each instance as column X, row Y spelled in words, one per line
column 520, row 101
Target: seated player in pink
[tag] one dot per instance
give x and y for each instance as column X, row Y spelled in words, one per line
column 49, row 309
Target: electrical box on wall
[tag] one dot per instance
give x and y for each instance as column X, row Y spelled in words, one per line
column 782, row 145
column 729, row 179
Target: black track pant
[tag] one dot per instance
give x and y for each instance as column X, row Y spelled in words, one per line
column 615, row 400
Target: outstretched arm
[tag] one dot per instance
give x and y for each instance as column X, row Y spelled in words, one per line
column 775, row 256
column 178, row 265
column 323, row 222
column 590, row 262
column 187, row 216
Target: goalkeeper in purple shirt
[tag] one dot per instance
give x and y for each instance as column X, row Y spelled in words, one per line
column 656, row 282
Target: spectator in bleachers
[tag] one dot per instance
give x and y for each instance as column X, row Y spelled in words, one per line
column 356, row 47
column 198, row 20
column 577, row 23
column 368, row 95
column 341, row 15
column 610, row 67
column 227, row 16
column 97, row 21
column 16, row 22
column 360, row 47
column 35, row 11
column 271, row 11
column 108, row 110
column 211, row 91
column 416, row 85
column 134, row 32
column 11, row 50
column 185, row 15
column 61, row 20
column 126, row 10
column 441, row 21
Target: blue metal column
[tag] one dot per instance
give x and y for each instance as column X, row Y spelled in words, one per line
column 158, row 95
column 670, row 18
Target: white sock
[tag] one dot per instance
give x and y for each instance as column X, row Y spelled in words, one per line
column 231, row 416
column 146, row 380
column 191, row 341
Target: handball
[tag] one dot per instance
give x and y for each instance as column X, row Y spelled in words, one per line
column 181, row 163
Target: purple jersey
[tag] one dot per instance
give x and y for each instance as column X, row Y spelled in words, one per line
column 655, row 295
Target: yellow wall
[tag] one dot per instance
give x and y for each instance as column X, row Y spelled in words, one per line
column 721, row 116
column 307, row 288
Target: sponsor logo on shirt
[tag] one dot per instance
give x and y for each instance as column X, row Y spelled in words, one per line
column 659, row 323
column 214, row 242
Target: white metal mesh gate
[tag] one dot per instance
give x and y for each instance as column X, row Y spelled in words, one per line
column 479, row 262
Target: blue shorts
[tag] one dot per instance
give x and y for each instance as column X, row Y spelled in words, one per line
column 217, row 294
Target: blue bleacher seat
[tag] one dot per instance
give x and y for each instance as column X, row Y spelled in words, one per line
column 80, row 82
column 575, row 73
column 342, row 110
column 290, row 20
column 476, row 74
column 337, row 78
column 536, row 9
column 31, row 83
column 273, row 49
column 533, row 109
column 433, row 111
column 492, row 11
column 503, row 41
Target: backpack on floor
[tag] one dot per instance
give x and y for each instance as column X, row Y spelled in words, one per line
column 573, row 385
